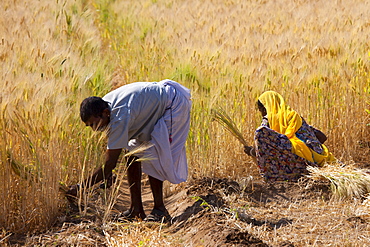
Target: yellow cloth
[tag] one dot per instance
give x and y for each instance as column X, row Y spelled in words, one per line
column 286, row 121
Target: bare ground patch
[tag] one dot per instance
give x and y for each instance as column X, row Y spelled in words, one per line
column 217, row 212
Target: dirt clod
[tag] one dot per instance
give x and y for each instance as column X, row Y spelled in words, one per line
column 245, row 239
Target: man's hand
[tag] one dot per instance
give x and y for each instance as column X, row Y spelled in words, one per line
column 71, row 196
column 111, row 158
column 73, row 190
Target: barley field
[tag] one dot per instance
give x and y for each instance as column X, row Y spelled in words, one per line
column 53, row 54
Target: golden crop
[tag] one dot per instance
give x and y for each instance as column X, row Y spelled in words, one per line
column 55, row 53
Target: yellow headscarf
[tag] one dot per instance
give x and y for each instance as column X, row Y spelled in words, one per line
column 286, row 121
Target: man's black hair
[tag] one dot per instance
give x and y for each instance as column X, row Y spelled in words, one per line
column 92, row 106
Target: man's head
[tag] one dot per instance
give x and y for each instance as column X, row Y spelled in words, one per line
column 95, row 112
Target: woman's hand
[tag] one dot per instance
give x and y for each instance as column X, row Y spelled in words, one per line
column 250, row 151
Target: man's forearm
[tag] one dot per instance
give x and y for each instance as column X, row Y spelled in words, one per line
column 105, row 171
column 99, row 175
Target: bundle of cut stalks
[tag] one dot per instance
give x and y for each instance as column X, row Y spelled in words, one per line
column 224, row 119
column 345, row 181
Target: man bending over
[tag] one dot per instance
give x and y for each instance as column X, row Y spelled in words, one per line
column 157, row 113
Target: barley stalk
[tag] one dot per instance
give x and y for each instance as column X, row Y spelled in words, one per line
column 225, row 120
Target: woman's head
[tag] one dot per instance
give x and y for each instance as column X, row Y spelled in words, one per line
column 271, row 99
column 261, row 108
column 281, row 117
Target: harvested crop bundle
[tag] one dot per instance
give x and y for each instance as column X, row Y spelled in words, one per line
column 345, row 181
